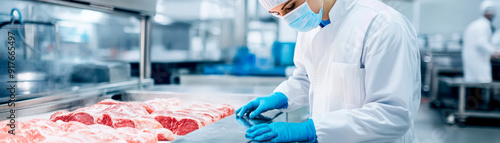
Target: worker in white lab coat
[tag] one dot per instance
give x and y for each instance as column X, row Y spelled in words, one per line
column 478, row 47
column 358, row 68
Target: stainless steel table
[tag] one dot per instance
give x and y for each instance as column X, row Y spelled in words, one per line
column 231, row 129
column 461, row 114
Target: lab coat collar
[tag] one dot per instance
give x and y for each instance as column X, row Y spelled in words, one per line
column 341, row 8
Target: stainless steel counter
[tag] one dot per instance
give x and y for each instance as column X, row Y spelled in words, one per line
column 230, row 129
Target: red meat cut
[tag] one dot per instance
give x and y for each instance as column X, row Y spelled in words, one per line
column 182, row 121
column 111, row 113
column 116, row 121
column 46, row 131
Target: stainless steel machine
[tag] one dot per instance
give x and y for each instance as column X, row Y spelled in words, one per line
column 48, row 85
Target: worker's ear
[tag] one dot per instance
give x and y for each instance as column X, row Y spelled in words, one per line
column 315, row 5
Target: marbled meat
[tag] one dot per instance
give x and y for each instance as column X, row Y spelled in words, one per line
column 46, row 131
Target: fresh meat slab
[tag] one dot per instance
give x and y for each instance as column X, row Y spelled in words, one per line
column 102, row 134
column 46, row 131
column 111, row 113
column 116, row 121
column 9, row 138
column 182, row 121
column 33, row 130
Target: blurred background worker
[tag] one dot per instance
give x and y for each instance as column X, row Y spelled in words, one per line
column 478, row 47
column 357, row 68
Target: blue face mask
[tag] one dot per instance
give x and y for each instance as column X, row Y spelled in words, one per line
column 303, row 19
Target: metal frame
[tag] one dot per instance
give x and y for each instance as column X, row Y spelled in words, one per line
column 145, row 61
column 54, row 100
column 461, row 113
column 434, row 80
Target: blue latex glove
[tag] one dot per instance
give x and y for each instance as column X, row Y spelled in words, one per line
column 258, row 105
column 283, row 132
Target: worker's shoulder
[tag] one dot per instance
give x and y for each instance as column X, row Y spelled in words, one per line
column 383, row 17
column 381, row 13
column 477, row 26
column 481, row 22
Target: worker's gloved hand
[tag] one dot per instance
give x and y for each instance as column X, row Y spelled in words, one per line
column 283, row 132
column 258, row 105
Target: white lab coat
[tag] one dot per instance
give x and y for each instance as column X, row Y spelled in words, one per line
column 377, row 103
column 477, row 51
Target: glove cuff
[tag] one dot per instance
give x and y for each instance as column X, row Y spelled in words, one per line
column 312, row 130
column 282, row 100
column 302, row 132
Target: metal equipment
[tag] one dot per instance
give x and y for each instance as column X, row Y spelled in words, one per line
column 111, row 79
column 460, row 115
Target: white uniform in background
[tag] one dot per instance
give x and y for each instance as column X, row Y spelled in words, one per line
column 360, row 75
column 495, row 39
column 477, row 49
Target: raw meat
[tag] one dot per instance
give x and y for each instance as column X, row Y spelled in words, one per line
column 103, row 134
column 146, row 106
column 9, row 138
column 163, row 104
column 131, row 115
column 87, row 115
column 116, row 121
column 162, row 134
column 111, row 113
column 71, row 126
column 182, row 121
column 5, row 137
column 46, row 131
column 34, row 130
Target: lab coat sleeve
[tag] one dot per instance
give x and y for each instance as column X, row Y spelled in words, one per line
column 484, row 39
column 296, row 88
column 392, row 69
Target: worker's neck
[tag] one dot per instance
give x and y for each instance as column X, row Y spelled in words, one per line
column 327, row 6
column 489, row 16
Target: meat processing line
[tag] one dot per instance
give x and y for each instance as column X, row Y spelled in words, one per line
column 94, row 81
column 229, row 129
